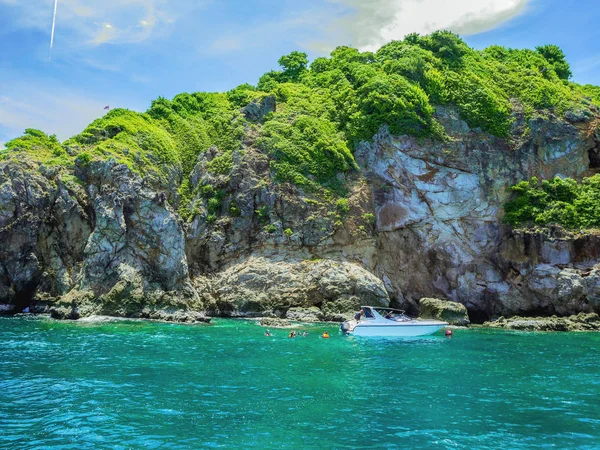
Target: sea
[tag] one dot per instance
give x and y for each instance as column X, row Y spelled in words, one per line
column 115, row 384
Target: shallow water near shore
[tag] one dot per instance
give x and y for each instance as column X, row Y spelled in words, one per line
column 152, row 385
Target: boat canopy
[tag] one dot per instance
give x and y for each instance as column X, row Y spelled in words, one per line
column 373, row 313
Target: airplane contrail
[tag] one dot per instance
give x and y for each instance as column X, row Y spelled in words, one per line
column 53, row 26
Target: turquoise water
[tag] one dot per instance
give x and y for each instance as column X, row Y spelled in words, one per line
column 149, row 385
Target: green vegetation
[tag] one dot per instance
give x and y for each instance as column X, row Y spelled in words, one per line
column 369, row 218
column 561, row 202
column 342, row 206
column 263, row 214
column 39, row 146
column 324, row 110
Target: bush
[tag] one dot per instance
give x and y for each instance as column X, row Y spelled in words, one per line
column 263, row 213
column 558, row 201
column 342, row 206
column 234, row 210
column 213, row 205
column 369, row 218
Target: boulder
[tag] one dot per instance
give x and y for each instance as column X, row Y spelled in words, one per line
column 451, row 312
column 261, row 287
column 259, row 108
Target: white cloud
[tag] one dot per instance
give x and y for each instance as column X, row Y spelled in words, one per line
column 368, row 24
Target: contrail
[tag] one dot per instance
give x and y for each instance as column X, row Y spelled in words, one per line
column 53, row 26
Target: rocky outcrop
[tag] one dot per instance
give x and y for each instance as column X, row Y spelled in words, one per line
column 579, row 322
column 423, row 218
column 279, row 287
column 451, row 312
column 113, row 247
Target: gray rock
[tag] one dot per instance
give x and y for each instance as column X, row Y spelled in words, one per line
column 312, row 314
column 259, row 108
column 579, row 322
column 451, row 312
column 265, row 286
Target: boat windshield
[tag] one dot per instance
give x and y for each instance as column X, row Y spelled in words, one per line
column 395, row 315
column 368, row 313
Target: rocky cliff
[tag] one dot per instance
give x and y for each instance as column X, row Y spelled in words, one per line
column 103, row 226
column 423, row 219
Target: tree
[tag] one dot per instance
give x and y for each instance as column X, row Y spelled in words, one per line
column 556, row 57
column 293, row 65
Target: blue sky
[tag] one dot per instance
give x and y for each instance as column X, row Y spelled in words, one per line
column 124, row 53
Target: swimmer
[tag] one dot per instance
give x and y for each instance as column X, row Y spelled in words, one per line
column 305, row 334
column 325, row 335
column 268, row 333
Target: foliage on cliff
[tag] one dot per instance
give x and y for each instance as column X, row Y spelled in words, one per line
column 324, row 109
column 561, row 202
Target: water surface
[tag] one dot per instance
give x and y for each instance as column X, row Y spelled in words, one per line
column 123, row 385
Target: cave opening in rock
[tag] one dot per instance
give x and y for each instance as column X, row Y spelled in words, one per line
column 23, row 299
column 594, row 156
column 477, row 316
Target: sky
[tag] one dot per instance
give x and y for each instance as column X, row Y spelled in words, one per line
column 125, row 53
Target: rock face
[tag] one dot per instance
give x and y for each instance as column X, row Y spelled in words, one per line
column 451, row 312
column 423, row 219
column 114, row 248
column 439, row 207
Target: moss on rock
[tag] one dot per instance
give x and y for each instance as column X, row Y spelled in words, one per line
column 452, row 312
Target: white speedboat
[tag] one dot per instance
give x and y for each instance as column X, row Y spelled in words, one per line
column 393, row 322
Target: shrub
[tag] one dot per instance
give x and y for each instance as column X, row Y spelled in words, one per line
column 263, row 213
column 342, row 206
column 558, row 201
column 213, row 205
column 369, row 218
column 234, row 210
column 83, row 159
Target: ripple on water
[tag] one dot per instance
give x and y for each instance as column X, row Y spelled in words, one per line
column 148, row 385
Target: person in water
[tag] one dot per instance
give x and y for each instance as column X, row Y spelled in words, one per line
column 305, row 334
column 325, row 335
column 268, row 333
column 292, row 334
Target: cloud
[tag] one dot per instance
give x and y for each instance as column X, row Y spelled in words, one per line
column 96, row 22
column 368, row 24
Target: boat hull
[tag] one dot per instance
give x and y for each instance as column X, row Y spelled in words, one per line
column 403, row 330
